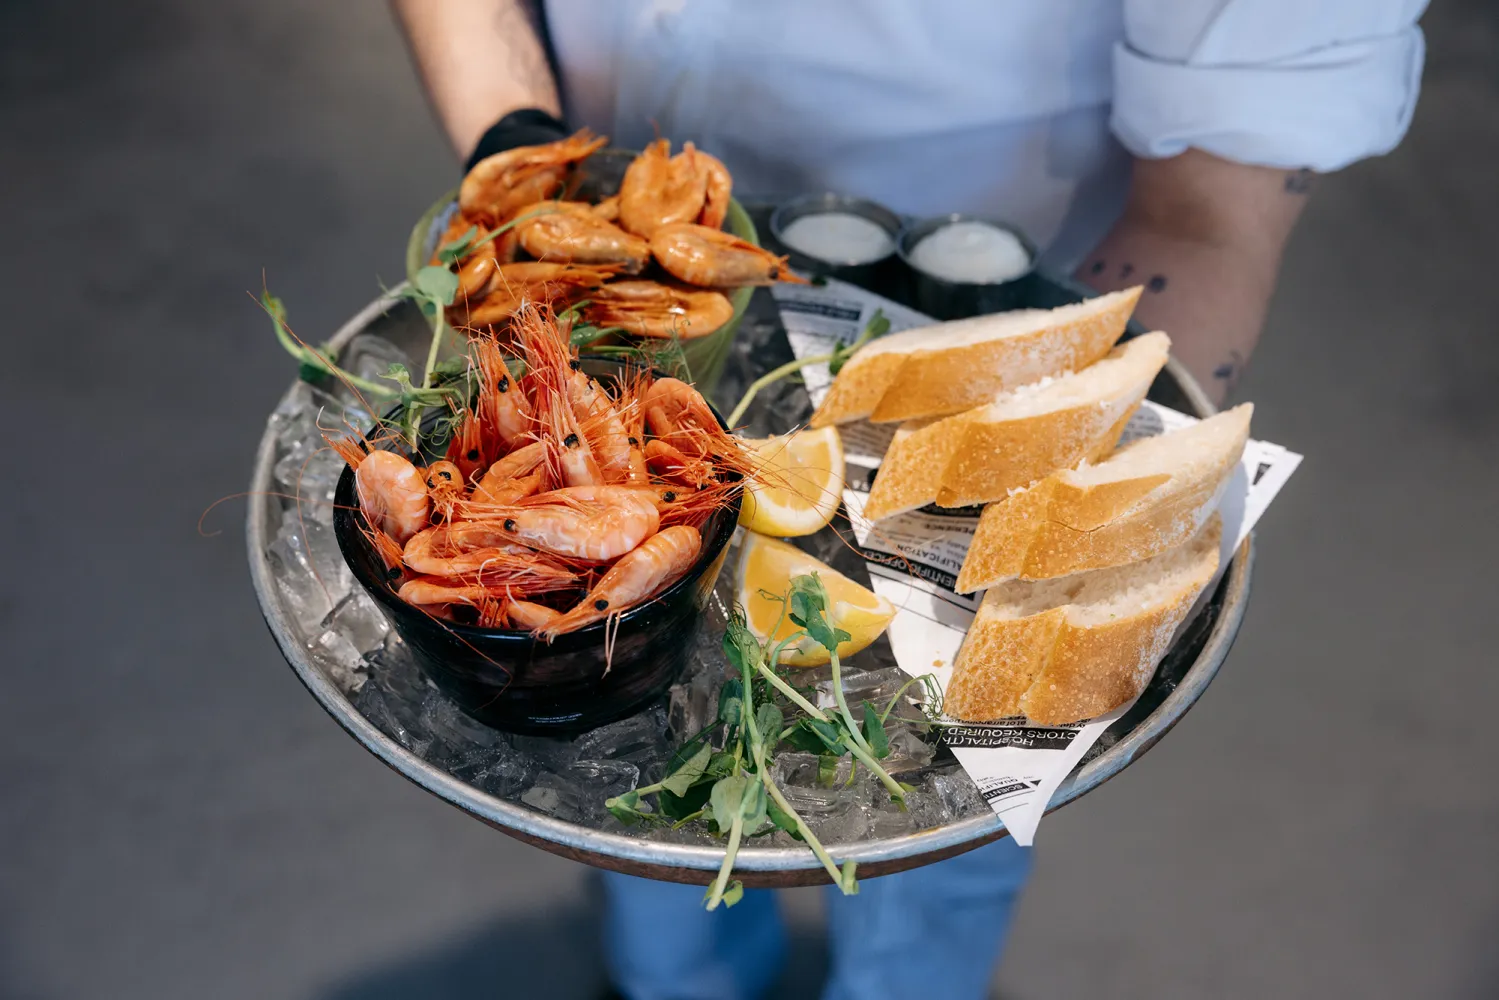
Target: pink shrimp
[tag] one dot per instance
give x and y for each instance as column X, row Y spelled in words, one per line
column 700, row 255
column 499, row 484
column 677, row 414
column 636, row 577
column 571, row 232
column 595, row 523
column 601, row 425
column 499, row 184
column 392, row 494
column 505, row 414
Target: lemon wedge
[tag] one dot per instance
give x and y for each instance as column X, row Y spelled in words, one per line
column 768, row 564
column 799, row 483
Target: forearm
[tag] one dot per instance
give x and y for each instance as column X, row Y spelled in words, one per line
column 1205, row 237
column 479, row 60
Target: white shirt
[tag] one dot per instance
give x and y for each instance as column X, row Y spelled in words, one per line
column 1023, row 110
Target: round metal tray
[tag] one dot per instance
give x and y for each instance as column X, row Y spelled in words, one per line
column 1178, row 683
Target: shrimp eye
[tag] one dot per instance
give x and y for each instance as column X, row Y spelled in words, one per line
column 669, row 496
column 431, row 485
column 570, row 441
column 393, row 574
column 634, row 442
column 446, row 475
column 503, row 384
column 575, row 364
column 473, row 454
column 509, row 524
column 600, row 604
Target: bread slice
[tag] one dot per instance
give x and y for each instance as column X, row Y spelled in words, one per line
column 1149, row 496
column 1064, row 650
column 950, row 367
column 982, row 454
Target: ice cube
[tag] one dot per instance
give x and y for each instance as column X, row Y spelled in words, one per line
column 370, row 357
column 394, row 694
column 360, row 620
column 339, row 659
column 578, row 793
column 838, row 810
column 959, row 796
column 639, row 739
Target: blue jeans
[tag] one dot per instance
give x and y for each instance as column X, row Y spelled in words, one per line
column 934, row 931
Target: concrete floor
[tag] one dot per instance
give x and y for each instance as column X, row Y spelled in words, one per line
column 181, row 820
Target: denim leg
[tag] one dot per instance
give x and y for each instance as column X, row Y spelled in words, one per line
column 935, row 931
column 660, row 944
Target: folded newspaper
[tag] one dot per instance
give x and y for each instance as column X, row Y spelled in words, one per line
column 914, row 559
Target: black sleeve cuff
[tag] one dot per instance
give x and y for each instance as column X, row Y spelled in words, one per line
column 527, row 127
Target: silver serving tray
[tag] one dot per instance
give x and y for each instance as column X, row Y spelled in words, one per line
column 756, row 866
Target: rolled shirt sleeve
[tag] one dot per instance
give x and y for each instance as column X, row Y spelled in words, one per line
column 1278, row 83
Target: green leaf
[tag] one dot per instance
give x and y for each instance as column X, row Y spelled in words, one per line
column 727, row 799
column 587, row 333
column 801, row 738
column 677, row 807
column 437, row 284
column 730, row 697
column 687, row 775
column 782, row 819
column 769, row 720
column 722, row 764
column 829, row 733
column 874, row 732
column 398, row 374
column 740, row 646
column 753, row 806
column 877, row 326
column 731, row 895
column 628, row 808
column 809, row 602
column 450, row 253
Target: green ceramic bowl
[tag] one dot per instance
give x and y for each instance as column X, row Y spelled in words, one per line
column 600, row 177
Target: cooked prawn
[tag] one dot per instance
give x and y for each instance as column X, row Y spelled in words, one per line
column 597, row 523
column 712, row 258
column 444, row 486
column 601, row 425
column 392, row 494
column 479, row 549
column 466, row 449
column 528, row 615
column 505, row 414
column 608, row 209
column 499, row 184
column 659, row 189
column 654, row 309
column 636, row 577
column 512, row 286
column 571, row 232
column 719, row 189
column 499, row 482
column 678, row 415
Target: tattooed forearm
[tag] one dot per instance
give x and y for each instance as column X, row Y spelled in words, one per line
column 1228, row 372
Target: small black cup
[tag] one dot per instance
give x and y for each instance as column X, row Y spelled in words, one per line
column 876, row 275
column 511, row 681
column 944, row 299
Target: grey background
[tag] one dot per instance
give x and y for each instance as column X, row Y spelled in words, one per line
column 181, row 820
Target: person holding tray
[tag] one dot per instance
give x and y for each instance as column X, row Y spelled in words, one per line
column 1137, row 142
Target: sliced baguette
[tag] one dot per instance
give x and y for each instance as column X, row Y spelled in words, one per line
column 1064, row 650
column 1149, row 496
column 981, row 455
column 950, row 367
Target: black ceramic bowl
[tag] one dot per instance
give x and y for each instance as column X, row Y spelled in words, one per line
column 944, row 299
column 511, row 681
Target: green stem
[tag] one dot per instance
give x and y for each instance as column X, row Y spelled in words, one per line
column 891, row 785
column 720, row 884
column 791, row 693
column 805, row 831
column 770, row 377
column 848, row 717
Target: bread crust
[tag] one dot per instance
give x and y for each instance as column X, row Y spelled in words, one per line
column 940, row 382
column 1055, row 670
column 1057, row 528
column 858, row 388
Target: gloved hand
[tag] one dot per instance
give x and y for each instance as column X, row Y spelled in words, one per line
column 527, row 127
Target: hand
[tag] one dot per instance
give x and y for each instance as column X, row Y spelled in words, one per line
column 1204, row 236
